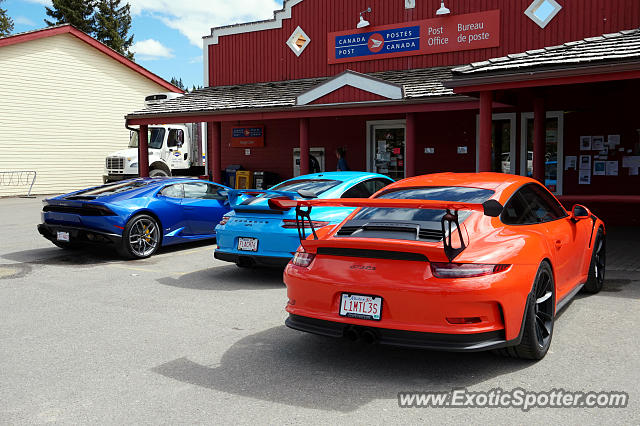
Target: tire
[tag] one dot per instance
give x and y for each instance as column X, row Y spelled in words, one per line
column 159, row 173
column 141, row 238
column 595, row 279
column 539, row 319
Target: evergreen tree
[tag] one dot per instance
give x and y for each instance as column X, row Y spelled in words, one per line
column 177, row 82
column 78, row 13
column 6, row 23
column 113, row 23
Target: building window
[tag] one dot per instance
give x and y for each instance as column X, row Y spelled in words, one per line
column 543, row 11
column 298, row 41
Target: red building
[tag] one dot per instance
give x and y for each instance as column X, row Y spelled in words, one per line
column 537, row 87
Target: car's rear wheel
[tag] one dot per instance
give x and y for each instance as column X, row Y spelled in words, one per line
column 141, row 237
column 539, row 319
column 595, row 280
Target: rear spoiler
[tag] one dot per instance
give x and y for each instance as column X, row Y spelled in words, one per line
column 235, row 194
column 491, row 208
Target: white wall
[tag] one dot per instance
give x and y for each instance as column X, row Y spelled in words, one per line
column 62, row 108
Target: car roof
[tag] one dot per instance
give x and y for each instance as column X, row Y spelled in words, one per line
column 342, row 176
column 484, row 180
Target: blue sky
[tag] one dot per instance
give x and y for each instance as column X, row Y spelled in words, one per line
column 167, row 33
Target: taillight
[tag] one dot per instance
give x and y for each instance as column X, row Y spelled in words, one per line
column 302, row 258
column 465, row 270
column 224, row 220
column 291, row 224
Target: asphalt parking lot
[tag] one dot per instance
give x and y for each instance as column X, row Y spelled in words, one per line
column 183, row 338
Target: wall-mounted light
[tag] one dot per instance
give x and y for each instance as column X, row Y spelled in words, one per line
column 443, row 9
column 363, row 22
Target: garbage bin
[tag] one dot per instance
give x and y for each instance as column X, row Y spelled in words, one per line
column 230, row 175
column 243, row 179
column 264, row 180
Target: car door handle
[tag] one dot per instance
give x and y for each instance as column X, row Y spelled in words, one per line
column 558, row 244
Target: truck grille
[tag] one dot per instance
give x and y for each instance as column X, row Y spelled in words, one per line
column 116, row 163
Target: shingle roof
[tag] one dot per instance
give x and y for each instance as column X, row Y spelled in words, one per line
column 620, row 46
column 417, row 83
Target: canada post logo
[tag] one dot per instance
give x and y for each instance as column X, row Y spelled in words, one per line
column 396, row 40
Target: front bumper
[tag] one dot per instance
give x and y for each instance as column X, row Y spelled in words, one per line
column 248, row 259
column 79, row 235
column 436, row 341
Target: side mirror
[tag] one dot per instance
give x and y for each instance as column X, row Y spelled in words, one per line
column 580, row 212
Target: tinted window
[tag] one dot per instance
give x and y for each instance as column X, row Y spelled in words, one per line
column 442, row 193
column 173, row 191
column 318, row 186
column 531, row 204
column 202, row 190
column 366, row 189
column 176, row 138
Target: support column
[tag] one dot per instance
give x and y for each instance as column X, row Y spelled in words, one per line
column 214, row 144
column 304, row 146
column 410, row 145
column 486, row 118
column 539, row 125
column 143, row 151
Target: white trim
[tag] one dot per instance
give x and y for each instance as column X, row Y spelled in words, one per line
column 353, row 79
column 292, row 41
column 530, row 12
column 388, row 124
column 512, row 117
column 559, row 115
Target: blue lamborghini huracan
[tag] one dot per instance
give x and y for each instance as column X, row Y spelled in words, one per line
column 136, row 216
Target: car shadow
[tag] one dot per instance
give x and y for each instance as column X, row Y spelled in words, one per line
column 227, row 278
column 288, row 367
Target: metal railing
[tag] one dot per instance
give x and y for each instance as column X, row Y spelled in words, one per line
column 19, row 178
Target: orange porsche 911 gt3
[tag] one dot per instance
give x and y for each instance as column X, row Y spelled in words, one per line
column 451, row 261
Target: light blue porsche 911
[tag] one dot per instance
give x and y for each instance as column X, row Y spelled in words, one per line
column 253, row 233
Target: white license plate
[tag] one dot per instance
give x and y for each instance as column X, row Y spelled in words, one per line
column 62, row 236
column 247, row 244
column 360, row 306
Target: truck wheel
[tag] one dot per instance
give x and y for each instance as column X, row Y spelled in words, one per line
column 158, row 173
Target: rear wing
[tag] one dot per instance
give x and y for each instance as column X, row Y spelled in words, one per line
column 236, row 197
column 303, row 208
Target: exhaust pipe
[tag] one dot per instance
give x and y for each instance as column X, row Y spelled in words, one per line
column 369, row 337
column 351, row 333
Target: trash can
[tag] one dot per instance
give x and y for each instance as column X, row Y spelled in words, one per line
column 243, row 179
column 264, row 180
column 230, row 175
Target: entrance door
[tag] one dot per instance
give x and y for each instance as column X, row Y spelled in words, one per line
column 552, row 151
column 387, row 148
column 503, row 143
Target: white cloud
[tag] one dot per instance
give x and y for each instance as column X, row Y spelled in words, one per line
column 42, row 2
column 23, row 20
column 195, row 18
column 151, row 49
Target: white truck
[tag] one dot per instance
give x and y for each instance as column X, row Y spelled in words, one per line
column 174, row 150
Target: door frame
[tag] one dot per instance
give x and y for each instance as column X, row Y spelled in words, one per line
column 512, row 117
column 560, row 154
column 389, row 124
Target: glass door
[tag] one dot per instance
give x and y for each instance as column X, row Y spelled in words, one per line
column 552, row 151
column 387, row 149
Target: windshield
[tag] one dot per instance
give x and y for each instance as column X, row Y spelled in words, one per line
column 109, row 189
column 156, row 137
column 317, row 186
column 440, row 193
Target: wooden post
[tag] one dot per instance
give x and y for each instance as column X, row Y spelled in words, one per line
column 214, row 151
column 486, row 119
column 410, row 147
column 143, row 151
column 539, row 139
column 304, row 146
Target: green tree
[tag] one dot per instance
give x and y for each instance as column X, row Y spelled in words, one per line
column 113, row 23
column 78, row 13
column 6, row 23
column 177, row 82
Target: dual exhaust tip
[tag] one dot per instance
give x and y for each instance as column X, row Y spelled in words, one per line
column 367, row 335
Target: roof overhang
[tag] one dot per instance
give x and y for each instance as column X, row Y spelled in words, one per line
column 354, row 79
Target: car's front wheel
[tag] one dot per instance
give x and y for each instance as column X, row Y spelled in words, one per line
column 141, row 237
column 539, row 319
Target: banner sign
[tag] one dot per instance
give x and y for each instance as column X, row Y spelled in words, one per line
column 247, row 137
column 445, row 34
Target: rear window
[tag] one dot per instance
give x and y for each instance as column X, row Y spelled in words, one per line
column 317, row 186
column 109, row 189
column 440, row 193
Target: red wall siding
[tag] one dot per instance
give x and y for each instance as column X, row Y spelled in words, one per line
column 348, row 94
column 263, row 55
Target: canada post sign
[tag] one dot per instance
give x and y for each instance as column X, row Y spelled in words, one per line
column 438, row 35
column 247, row 137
